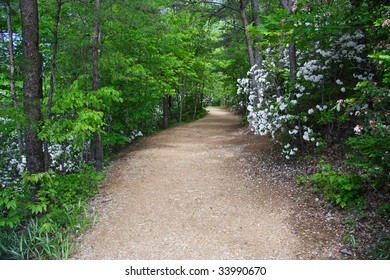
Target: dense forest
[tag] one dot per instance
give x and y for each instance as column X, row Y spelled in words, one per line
column 82, row 79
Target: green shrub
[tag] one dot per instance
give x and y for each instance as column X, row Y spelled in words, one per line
column 371, row 145
column 44, row 227
column 371, row 157
column 344, row 190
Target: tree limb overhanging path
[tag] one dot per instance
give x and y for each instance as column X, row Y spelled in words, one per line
column 182, row 194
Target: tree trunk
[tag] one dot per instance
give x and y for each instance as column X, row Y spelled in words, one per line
column 292, row 54
column 12, row 73
column 32, row 86
column 165, row 112
column 181, row 97
column 195, row 106
column 98, row 145
column 52, row 78
column 248, row 40
column 256, row 23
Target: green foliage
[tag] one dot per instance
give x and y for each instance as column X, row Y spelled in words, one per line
column 44, row 238
column 370, row 146
column 371, row 156
column 382, row 248
column 79, row 113
column 35, row 243
column 349, row 239
column 384, row 210
column 302, row 180
column 344, row 190
column 43, row 227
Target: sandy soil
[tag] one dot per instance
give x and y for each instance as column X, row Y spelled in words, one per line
column 191, row 192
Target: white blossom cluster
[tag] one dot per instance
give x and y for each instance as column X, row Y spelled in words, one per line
column 12, row 165
column 288, row 116
column 65, row 157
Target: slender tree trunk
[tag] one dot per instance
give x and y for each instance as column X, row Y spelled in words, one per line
column 32, row 86
column 96, row 48
column 12, row 73
column 292, row 53
column 165, row 111
column 182, row 97
column 98, row 145
column 256, row 23
column 248, row 40
column 52, row 78
column 54, row 59
column 195, row 106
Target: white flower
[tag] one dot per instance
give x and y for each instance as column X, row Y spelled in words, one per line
column 282, row 106
column 339, row 82
column 343, row 89
column 358, row 129
column 311, row 111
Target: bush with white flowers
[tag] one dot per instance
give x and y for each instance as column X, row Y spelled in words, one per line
column 300, row 112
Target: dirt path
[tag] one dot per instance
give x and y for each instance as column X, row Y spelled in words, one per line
column 184, row 194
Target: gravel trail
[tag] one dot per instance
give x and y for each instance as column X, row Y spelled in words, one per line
column 184, row 194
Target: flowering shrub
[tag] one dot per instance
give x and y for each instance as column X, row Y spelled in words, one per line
column 332, row 92
column 371, row 145
column 12, row 165
column 298, row 111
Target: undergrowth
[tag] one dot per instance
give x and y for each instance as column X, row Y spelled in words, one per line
column 47, row 226
column 356, row 200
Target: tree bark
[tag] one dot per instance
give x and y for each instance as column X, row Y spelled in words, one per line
column 32, row 85
column 248, row 40
column 181, row 98
column 165, row 111
column 52, row 78
column 256, row 23
column 98, row 145
column 12, row 73
column 292, row 54
column 54, row 58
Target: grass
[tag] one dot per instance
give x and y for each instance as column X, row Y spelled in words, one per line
column 44, row 239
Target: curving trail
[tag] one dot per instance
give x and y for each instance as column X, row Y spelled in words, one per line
column 184, row 194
